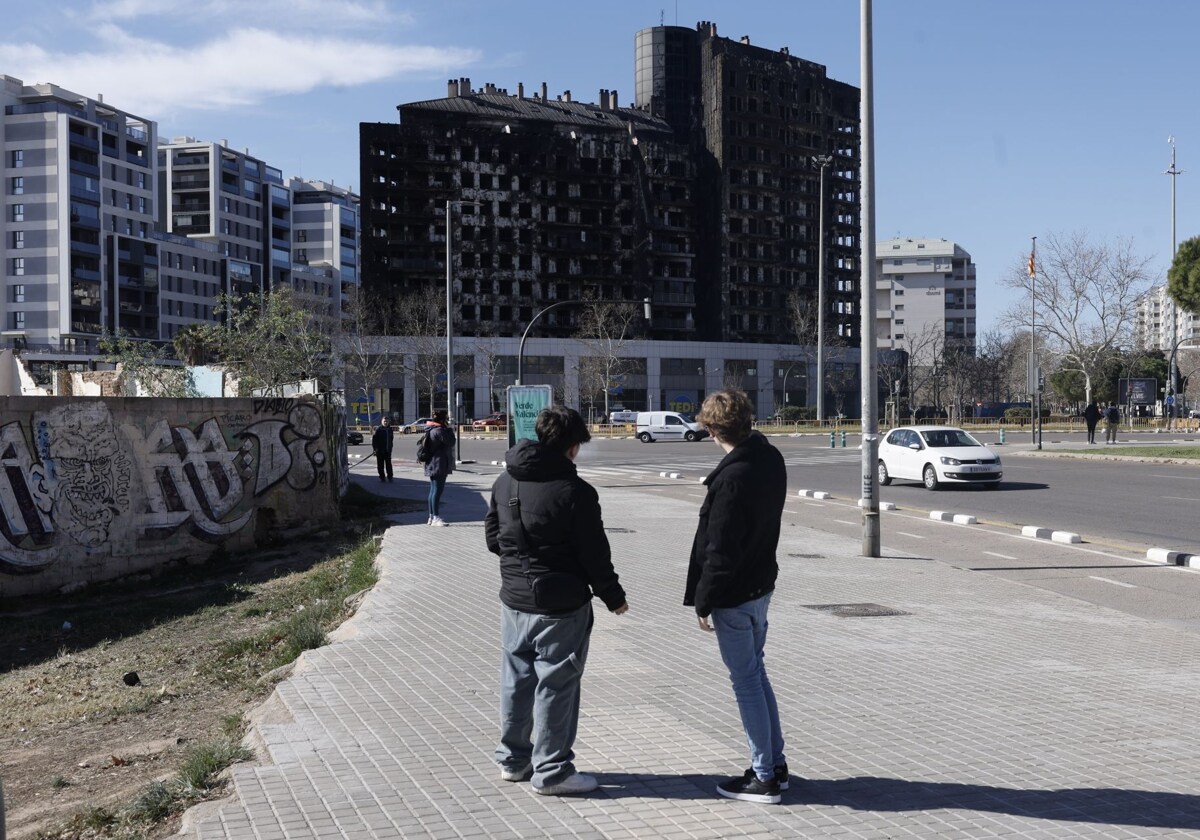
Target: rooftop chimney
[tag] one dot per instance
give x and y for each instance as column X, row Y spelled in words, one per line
column 464, row 86
column 452, row 88
column 566, row 96
column 544, row 94
column 604, row 99
column 488, row 87
column 520, row 90
column 785, row 51
column 612, row 102
column 746, row 40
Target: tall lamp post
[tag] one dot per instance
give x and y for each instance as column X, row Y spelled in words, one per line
column 450, row 394
column 533, row 320
column 869, row 387
column 1174, row 173
column 823, row 162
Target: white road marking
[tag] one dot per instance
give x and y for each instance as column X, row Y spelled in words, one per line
column 1180, row 498
column 906, row 534
column 697, row 496
column 1113, row 582
column 1184, row 477
column 845, row 522
column 997, row 554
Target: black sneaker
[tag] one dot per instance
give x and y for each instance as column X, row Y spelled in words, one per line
column 781, row 776
column 749, row 788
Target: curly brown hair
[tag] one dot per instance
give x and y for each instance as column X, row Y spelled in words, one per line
column 727, row 415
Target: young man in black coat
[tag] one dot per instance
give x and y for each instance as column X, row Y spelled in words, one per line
column 381, row 446
column 731, row 577
column 544, row 522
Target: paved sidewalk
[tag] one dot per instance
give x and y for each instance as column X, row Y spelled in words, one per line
column 990, row 709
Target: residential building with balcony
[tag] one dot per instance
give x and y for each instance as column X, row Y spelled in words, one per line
column 924, row 297
column 325, row 234
column 1161, row 324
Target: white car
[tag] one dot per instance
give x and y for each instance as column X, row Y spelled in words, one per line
column 936, row 455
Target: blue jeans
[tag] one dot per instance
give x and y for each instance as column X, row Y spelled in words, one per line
column 436, row 486
column 741, row 635
column 541, row 669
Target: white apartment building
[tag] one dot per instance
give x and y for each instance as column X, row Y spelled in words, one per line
column 923, row 288
column 1157, row 314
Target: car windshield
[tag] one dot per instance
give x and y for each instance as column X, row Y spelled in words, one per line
column 949, row 437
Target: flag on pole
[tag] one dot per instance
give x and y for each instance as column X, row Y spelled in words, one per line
column 1032, row 264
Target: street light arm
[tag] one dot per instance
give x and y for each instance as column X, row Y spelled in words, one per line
column 525, row 335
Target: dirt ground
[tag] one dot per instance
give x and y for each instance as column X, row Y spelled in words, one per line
column 75, row 736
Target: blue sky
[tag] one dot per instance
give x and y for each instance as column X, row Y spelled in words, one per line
column 995, row 121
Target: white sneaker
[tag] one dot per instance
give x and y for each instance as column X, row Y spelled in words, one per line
column 520, row 774
column 429, row 521
column 573, row 784
column 437, row 522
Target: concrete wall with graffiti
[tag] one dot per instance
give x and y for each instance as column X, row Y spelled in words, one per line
column 93, row 489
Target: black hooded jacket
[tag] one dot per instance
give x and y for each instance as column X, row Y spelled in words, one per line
column 563, row 527
column 733, row 554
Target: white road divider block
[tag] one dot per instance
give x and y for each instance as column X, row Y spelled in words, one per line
column 940, row 515
column 669, row 475
column 882, row 505
column 1036, row 531
column 1171, row 558
column 1066, row 537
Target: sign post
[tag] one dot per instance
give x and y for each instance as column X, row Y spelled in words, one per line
column 525, row 403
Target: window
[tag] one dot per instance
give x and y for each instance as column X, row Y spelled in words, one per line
column 17, row 322
column 899, row 322
column 141, row 180
column 18, row 239
column 17, row 186
column 17, row 266
column 141, row 204
column 898, row 292
column 301, row 255
column 18, row 293
column 301, row 236
column 18, row 212
column 18, row 158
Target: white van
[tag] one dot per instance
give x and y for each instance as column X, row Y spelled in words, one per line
column 667, row 425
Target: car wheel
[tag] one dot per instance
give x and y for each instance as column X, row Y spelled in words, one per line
column 884, row 478
column 689, row 436
column 644, row 437
column 929, row 476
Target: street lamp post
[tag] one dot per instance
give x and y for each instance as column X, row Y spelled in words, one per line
column 533, row 320
column 823, row 162
column 1174, row 173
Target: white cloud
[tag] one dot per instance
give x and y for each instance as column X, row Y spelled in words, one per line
column 238, row 68
column 314, row 14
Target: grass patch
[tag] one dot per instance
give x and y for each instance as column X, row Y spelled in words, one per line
column 204, row 761
column 1188, row 452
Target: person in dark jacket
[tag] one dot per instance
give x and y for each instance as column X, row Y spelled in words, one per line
column 544, row 523
column 731, row 576
column 381, row 447
column 440, row 464
column 1091, row 416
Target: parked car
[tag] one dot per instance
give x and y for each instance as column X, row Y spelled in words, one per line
column 936, row 455
column 419, row 425
column 623, row 417
column 354, row 438
column 496, row 418
column 667, row 425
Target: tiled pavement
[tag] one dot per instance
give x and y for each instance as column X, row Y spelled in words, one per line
column 991, row 709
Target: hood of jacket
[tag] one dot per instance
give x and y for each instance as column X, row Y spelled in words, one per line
column 530, row 460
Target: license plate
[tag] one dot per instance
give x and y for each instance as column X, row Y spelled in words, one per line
column 980, row 468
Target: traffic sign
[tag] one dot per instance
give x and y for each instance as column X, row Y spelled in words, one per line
column 1170, row 399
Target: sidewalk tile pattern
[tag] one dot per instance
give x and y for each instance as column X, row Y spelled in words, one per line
column 992, row 709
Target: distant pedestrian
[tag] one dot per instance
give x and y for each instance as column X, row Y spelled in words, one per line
column 381, row 448
column 1091, row 416
column 440, row 446
column 731, row 577
column 1112, row 417
column 544, row 523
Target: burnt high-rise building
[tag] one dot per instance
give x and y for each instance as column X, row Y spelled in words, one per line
column 704, row 196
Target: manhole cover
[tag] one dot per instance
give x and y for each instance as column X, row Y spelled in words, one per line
column 855, row 610
column 807, row 556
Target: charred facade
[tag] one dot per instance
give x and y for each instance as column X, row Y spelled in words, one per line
column 703, row 196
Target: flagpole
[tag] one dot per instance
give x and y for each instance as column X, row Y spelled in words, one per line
column 1035, row 402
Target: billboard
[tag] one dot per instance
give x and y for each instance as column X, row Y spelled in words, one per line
column 1137, row 391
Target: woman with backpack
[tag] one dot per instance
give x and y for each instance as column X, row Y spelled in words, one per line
column 437, row 453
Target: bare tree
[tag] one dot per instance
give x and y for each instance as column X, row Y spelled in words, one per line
column 421, row 319
column 363, row 363
column 605, row 328
column 1085, row 295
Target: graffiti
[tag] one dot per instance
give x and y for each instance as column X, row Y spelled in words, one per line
column 75, row 483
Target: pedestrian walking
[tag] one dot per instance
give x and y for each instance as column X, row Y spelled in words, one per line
column 1112, row 417
column 731, row 577
column 1091, row 416
column 438, row 447
column 544, row 522
column 381, row 448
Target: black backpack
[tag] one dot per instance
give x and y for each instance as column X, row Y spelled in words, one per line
column 1113, row 415
column 424, row 448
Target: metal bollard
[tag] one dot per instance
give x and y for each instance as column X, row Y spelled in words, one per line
column 843, row 438
column 1002, row 437
column 831, row 443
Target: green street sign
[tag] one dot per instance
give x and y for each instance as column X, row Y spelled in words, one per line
column 525, row 403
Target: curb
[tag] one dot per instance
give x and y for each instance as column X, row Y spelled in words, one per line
column 814, row 494
column 956, row 518
column 1172, row 558
column 1049, row 534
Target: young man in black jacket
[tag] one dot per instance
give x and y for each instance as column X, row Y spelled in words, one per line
column 544, row 522
column 731, row 577
column 381, row 448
